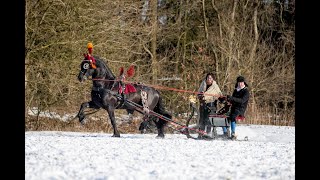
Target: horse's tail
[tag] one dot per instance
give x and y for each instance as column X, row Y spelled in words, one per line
column 160, row 108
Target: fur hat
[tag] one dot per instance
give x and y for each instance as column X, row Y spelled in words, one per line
column 241, row 79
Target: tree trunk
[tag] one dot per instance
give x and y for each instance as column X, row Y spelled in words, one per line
column 221, row 59
column 177, row 53
column 253, row 50
column 154, row 22
column 205, row 19
column 231, row 53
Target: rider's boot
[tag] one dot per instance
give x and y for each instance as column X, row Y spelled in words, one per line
column 233, row 136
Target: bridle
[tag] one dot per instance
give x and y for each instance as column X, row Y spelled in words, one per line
column 85, row 66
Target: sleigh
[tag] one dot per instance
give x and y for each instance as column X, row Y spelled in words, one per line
column 216, row 119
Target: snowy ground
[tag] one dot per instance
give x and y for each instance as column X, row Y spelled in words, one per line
column 269, row 154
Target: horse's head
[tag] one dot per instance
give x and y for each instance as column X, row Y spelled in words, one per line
column 87, row 68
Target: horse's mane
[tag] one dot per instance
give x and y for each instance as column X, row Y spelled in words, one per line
column 101, row 63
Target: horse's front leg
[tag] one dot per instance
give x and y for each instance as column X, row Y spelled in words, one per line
column 81, row 115
column 113, row 121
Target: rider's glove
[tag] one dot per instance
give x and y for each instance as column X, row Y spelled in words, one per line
column 229, row 98
column 200, row 96
column 222, row 99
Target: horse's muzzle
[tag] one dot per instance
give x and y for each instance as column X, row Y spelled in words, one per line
column 81, row 77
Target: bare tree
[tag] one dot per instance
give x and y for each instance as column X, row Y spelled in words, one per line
column 184, row 39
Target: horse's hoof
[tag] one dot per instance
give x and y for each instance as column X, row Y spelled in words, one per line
column 160, row 136
column 130, row 120
column 81, row 119
column 116, row 135
column 143, row 125
column 82, row 122
column 183, row 131
column 143, row 131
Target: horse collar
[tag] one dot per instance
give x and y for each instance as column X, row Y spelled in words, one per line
column 96, row 88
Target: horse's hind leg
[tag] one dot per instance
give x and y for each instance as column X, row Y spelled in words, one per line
column 159, row 108
column 160, row 127
column 130, row 113
column 145, row 124
column 143, row 127
column 161, row 123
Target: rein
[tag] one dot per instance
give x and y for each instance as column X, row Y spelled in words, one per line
column 161, row 87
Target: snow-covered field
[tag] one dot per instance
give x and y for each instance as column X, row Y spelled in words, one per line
column 269, row 154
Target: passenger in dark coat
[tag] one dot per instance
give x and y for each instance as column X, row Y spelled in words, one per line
column 239, row 101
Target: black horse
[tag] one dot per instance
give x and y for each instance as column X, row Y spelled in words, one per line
column 105, row 94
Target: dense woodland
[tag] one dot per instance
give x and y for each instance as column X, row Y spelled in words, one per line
column 171, row 43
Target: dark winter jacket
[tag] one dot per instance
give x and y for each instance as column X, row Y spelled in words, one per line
column 239, row 101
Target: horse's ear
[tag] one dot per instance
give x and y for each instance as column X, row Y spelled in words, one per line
column 86, row 56
column 121, row 71
column 130, row 71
